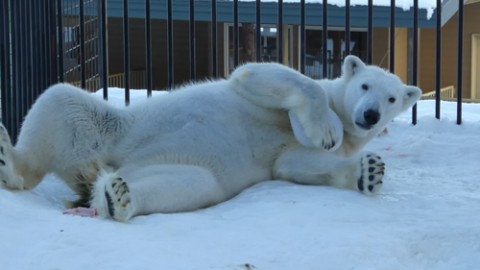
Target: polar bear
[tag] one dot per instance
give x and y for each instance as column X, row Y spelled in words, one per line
column 205, row 143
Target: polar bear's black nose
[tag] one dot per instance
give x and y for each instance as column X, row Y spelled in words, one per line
column 371, row 117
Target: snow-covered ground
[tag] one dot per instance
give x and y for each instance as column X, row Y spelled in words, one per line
column 427, row 216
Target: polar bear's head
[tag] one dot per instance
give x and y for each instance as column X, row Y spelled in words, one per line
column 372, row 97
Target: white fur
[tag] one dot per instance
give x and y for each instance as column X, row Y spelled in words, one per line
column 204, row 144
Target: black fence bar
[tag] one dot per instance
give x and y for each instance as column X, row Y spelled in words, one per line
column 258, row 29
column 148, row 47
column 235, row 33
column 370, row 32
column 52, row 43
column 280, row 32
column 392, row 35
column 60, row 40
column 16, row 17
column 302, row 36
column 126, row 52
column 438, row 53
column 104, row 48
column 45, row 10
column 214, row 40
column 83, row 76
column 42, row 40
column 460, row 63
column 347, row 27
column 170, row 44
column 415, row 56
column 37, row 53
column 23, row 55
column 324, row 39
column 4, row 59
column 29, row 55
column 193, row 74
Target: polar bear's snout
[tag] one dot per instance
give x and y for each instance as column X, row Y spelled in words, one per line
column 369, row 118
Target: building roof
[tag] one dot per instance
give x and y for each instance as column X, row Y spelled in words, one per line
column 269, row 11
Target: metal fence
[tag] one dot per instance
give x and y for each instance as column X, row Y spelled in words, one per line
column 47, row 41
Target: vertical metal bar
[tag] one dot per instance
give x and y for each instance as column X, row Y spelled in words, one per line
column 214, row 39
column 370, row 32
column 22, row 58
column 170, row 44
column 82, row 46
column 148, row 44
column 392, row 35
column 60, row 40
column 28, row 99
column 52, row 43
column 7, row 94
column 325, row 39
column 36, row 49
column 16, row 16
column 3, row 58
column 438, row 53
column 193, row 63
column 347, row 27
column 415, row 56
column 104, row 48
column 460, row 63
column 126, row 52
column 280, row 32
column 235, row 34
column 258, row 25
column 302, row 36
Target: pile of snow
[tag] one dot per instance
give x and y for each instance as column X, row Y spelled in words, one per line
column 425, row 217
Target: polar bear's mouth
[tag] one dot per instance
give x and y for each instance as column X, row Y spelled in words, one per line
column 364, row 126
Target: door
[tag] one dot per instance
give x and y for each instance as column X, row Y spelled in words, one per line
column 476, row 66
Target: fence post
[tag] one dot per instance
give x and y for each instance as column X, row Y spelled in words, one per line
column 460, row 63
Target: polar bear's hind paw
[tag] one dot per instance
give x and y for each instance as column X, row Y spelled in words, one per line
column 118, row 200
column 372, row 172
column 111, row 198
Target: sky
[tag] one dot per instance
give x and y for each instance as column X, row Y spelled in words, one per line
column 425, row 217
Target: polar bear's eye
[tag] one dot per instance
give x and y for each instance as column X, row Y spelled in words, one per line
column 391, row 100
column 365, row 87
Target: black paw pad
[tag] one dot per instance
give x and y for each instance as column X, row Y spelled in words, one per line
column 111, row 210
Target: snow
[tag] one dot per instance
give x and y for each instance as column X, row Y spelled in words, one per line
column 425, row 217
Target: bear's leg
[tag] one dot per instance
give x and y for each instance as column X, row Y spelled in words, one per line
column 133, row 191
column 275, row 86
column 363, row 172
column 8, row 177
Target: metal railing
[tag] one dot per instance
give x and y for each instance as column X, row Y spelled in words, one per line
column 40, row 46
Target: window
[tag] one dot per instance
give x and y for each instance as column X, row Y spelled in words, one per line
column 247, row 45
column 335, row 51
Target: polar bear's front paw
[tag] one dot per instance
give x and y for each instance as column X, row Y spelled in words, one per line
column 111, row 198
column 321, row 132
column 372, row 172
column 8, row 178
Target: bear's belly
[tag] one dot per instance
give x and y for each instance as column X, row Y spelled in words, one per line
column 239, row 153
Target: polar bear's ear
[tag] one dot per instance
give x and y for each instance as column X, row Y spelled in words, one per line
column 412, row 94
column 351, row 65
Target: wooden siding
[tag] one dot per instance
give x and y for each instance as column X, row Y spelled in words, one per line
column 159, row 50
column 449, row 51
